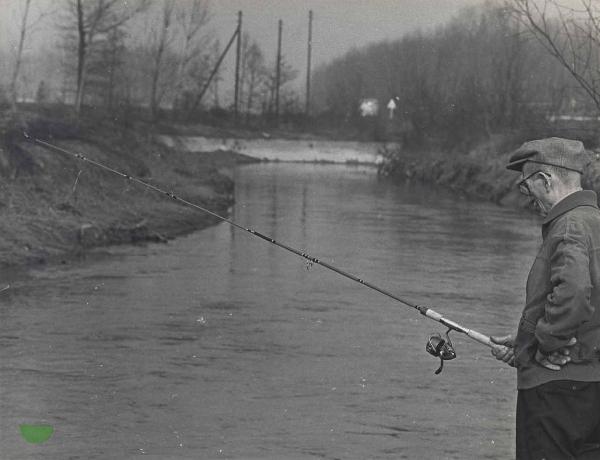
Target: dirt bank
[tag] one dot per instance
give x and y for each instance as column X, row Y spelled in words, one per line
column 54, row 207
column 479, row 173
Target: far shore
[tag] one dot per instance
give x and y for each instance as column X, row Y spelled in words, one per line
column 55, row 208
column 285, row 150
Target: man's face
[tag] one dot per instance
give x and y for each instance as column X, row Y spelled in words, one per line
column 536, row 185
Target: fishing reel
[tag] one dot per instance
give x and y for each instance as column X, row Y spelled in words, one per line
column 441, row 347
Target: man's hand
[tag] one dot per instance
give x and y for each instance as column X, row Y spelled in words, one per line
column 505, row 353
column 557, row 359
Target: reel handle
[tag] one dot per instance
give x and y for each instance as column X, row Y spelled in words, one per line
column 475, row 335
column 443, row 349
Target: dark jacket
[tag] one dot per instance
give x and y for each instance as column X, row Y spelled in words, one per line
column 563, row 295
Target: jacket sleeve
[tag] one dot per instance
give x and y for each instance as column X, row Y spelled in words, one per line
column 568, row 304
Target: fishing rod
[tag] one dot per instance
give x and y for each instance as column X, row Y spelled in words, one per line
column 437, row 345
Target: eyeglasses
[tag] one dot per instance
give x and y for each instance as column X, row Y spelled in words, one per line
column 523, row 187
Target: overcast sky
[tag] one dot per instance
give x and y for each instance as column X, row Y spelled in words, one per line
column 338, row 24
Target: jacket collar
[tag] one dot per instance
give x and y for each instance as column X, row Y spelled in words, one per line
column 574, row 200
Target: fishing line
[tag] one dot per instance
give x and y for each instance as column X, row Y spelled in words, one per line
column 437, row 345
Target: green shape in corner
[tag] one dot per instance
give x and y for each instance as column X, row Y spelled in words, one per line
column 36, row 434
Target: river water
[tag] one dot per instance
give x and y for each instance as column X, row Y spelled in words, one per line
column 220, row 345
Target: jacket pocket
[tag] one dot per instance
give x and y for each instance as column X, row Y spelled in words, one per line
column 588, row 346
column 564, row 386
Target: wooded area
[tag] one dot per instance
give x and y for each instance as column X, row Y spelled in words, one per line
column 501, row 66
column 150, row 55
column 494, row 68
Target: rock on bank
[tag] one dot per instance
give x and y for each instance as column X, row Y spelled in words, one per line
column 54, row 207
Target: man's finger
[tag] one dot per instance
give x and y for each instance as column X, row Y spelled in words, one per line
column 544, row 361
column 504, row 354
column 548, row 365
column 509, row 359
column 572, row 342
column 557, row 358
column 506, row 340
column 501, row 349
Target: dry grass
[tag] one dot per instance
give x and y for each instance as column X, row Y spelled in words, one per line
column 53, row 206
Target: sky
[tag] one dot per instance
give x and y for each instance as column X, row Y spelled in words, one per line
column 338, row 25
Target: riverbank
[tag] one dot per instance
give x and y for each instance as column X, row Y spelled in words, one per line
column 53, row 207
column 479, row 173
column 285, row 150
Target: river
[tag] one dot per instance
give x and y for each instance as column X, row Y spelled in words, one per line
column 220, row 345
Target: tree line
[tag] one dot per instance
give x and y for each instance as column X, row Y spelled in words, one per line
column 497, row 67
column 141, row 53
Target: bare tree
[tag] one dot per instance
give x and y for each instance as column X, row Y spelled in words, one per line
column 25, row 29
column 164, row 37
column 571, row 35
column 215, row 53
column 88, row 20
column 192, row 19
column 105, row 68
column 243, row 62
column 465, row 80
column 287, row 74
column 178, row 49
column 113, row 57
column 254, row 74
column 19, row 56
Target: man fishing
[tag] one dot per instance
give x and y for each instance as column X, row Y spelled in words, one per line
column 556, row 350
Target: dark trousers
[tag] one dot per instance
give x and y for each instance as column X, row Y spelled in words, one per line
column 559, row 420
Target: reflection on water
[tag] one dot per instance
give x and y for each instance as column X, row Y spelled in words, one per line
column 220, row 345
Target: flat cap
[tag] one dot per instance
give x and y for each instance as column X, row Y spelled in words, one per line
column 555, row 151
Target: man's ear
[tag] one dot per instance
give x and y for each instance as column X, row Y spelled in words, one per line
column 547, row 179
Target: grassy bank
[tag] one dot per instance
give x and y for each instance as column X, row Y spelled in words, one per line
column 479, row 173
column 54, row 207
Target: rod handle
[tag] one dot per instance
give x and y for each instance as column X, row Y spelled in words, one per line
column 482, row 338
column 485, row 340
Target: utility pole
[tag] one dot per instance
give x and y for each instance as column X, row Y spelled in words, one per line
column 213, row 73
column 310, row 20
column 237, row 67
column 278, row 72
